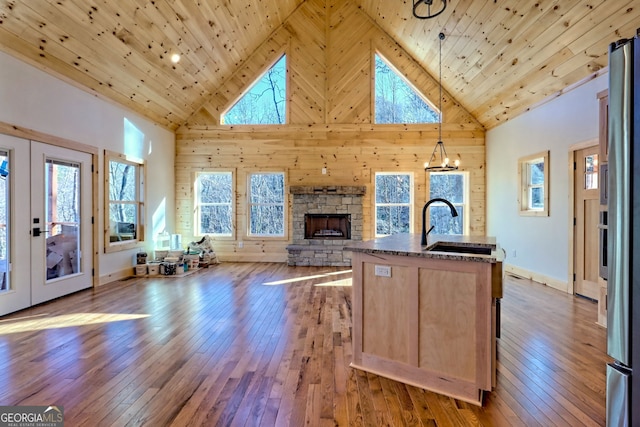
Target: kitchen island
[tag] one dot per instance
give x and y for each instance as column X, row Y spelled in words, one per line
column 426, row 315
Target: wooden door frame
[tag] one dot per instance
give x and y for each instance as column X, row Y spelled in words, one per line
column 572, row 201
column 32, row 135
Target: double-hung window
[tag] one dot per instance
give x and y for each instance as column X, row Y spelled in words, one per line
column 214, row 203
column 533, row 172
column 393, row 203
column 266, row 205
column 453, row 187
column 125, row 201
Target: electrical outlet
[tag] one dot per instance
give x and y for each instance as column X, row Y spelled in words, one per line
column 514, row 253
column 382, row 270
column 324, row 171
column 240, row 245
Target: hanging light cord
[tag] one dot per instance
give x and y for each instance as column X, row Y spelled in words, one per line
column 441, row 37
column 444, row 165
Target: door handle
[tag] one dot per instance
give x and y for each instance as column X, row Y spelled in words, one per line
column 36, row 231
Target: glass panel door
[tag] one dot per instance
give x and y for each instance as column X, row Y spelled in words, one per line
column 61, row 230
column 45, row 222
column 15, row 244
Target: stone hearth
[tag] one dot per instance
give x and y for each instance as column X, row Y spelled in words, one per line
column 329, row 201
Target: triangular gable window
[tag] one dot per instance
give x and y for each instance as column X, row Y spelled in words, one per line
column 396, row 100
column 264, row 103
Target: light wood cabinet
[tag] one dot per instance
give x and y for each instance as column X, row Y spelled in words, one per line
column 385, row 313
column 431, row 324
column 603, row 125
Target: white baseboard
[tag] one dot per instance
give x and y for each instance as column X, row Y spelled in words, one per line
column 537, row 277
column 118, row 275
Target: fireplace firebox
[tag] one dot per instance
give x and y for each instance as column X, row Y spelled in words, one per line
column 327, row 226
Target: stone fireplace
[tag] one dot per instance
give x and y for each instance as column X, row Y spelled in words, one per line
column 324, row 220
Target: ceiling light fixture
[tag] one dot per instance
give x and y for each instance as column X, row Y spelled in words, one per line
column 425, row 9
column 441, row 165
column 175, row 58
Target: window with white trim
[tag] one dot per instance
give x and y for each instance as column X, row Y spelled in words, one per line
column 125, row 201
column 454, row 187
column 214, row 203
column 266, row 206
column 393, row 203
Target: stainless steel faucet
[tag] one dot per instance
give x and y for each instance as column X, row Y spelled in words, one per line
column 454, row 214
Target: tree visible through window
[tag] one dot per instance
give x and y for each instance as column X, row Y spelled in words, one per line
column 62, row 216
column 266, row 204
column 214, row 203
column 450, row 186
column 125, row 198
column 396, row 100
column 264, row 103
column 533, row 172
column 394, row 201
column 535, row 184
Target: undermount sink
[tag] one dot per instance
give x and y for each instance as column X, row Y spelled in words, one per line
column 460, row 249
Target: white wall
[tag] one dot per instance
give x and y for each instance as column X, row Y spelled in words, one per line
column 541, row 244
column 32, row 99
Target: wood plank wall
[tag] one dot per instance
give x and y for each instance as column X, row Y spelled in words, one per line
column 330, row 47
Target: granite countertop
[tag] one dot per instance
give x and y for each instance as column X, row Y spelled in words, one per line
column 409, row 245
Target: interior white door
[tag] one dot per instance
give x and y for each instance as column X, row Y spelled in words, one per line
column 15, row 242
column 61, row 230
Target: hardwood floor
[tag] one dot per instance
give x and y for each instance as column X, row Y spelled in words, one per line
column 267, row 345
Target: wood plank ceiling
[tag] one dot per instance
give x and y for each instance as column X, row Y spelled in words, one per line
column 499, row 58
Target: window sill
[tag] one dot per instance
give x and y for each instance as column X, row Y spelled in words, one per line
column 534, row 213
column 123, row 245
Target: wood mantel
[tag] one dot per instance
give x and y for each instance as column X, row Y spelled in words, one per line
column 332, row 189
column 426, row 318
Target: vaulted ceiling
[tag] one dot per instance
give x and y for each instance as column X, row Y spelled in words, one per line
column 499, row 57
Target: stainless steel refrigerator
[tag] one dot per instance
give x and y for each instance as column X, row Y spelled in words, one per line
column 623, row 243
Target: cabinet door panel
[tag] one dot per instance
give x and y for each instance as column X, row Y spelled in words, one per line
column 448, row 318
column 385, row 323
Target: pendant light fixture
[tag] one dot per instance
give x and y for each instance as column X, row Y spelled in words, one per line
column 425, row 9
column 441, row 163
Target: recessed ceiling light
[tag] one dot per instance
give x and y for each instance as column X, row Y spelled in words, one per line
column 175, row 58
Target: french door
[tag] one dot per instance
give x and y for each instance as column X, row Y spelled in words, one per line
column 48, row 201
column 15, row 242
column 60, row 221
